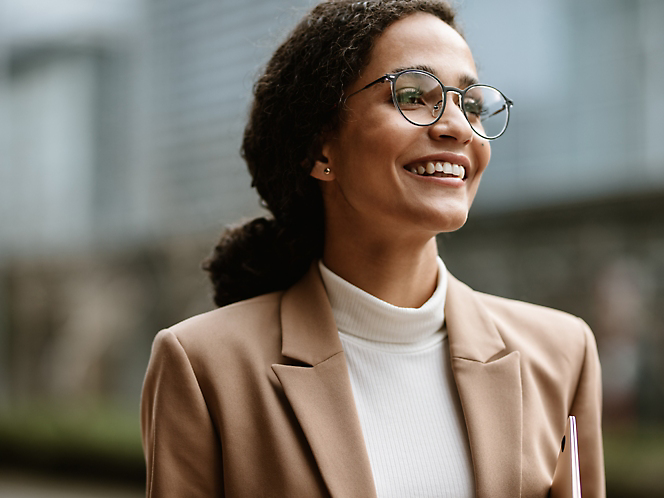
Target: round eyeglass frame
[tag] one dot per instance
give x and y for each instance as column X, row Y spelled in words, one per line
column 392, row 77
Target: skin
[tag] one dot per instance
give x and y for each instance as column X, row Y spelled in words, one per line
column 380, row 219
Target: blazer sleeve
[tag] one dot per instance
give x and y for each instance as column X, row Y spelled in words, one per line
column 181, row 446
column 587, row 407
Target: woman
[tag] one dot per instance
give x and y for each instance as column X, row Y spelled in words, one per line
column 344, row 359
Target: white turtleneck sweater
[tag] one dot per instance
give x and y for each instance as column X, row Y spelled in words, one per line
column 399, row 365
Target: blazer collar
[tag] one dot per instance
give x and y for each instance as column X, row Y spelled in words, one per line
column 320, row 393
column 475, row 336
column 309, row 332
column 488, row 379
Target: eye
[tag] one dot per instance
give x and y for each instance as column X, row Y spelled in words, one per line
column 409, row 96
column 474, row 106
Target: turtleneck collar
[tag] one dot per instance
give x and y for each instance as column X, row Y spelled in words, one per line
column 360, row 314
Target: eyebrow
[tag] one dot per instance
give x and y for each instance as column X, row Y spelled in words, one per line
column 421, row 67
column 464, row 81
column 467, row 79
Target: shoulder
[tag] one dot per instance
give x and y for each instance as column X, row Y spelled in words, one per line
column 523, row 315
column 237, row 335
column 542, row 335
column 251, row 314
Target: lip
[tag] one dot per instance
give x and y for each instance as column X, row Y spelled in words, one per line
column 442, row 157
column 448, row 181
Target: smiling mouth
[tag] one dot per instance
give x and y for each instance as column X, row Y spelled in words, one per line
column 437, row 169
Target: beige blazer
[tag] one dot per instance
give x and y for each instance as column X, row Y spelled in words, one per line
column 254, row 399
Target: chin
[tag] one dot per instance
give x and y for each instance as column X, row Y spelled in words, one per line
column 448, row 221
column 455, row 225
column 451, row 218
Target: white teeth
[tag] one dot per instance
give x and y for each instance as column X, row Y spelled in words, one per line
column 440, row 167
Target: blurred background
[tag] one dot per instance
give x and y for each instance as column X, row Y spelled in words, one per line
column 120, row 126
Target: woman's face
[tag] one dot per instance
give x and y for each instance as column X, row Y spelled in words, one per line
column 371, row 154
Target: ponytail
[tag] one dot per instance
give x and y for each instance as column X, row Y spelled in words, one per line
column 260, row 257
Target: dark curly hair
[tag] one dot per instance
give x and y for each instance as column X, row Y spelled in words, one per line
column 295, row 100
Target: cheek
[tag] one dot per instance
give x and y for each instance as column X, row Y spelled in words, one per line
column 369, row 147
column 483, row 154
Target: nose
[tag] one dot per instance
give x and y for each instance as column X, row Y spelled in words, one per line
column 453, row 122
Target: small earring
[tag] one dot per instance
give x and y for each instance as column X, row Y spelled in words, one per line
column 327, row 171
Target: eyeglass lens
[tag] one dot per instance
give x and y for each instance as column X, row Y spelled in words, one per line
column 420, row 99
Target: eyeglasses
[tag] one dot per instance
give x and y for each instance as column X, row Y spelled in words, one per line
column 421, row 98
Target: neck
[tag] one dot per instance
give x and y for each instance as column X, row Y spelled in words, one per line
column 403, row 275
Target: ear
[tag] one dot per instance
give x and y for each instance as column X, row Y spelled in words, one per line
column 323, row 169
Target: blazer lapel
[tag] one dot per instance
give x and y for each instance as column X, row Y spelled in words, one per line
column 320, row 392
column 489, row 385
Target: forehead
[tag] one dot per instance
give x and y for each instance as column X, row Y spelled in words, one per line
column 421, row 40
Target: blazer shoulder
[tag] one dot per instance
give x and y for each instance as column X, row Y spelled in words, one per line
column 523, row 311
column 247, row 312
column 539, row 330
column 245, row 329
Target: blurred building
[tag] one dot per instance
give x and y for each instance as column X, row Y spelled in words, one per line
column 120, row 125
column 120, row 128
column 571, row 210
